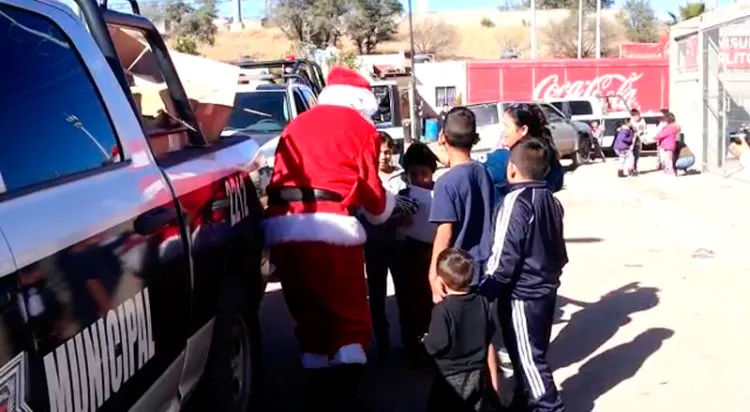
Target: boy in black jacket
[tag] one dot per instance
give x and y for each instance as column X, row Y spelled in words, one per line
column 523, row 273
column 458, row 338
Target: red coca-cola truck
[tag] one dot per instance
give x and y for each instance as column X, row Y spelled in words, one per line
column 642, row 83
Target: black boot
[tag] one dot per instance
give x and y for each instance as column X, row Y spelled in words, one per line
column 347, row 378
column 320, row 387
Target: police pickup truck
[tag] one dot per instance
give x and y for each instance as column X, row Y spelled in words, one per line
column 130, row 245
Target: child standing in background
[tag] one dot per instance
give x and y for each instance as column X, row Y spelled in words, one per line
column 412, row 284
column 638, row 125
column 667, row 139
column 623, row 146
column 381, row 251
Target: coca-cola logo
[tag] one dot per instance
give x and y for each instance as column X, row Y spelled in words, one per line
column 604, row 85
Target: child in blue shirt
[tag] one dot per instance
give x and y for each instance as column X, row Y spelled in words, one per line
column 463, row 198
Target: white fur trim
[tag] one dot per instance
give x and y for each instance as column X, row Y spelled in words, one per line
column 745, row 160
column 359, row 99
column 314, row 227
column 390, row 204
column 350, row 354
column 315, row 361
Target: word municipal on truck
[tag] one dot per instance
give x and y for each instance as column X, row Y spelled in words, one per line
column 93, row 365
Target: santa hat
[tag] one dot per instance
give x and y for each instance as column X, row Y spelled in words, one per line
column 345, row 87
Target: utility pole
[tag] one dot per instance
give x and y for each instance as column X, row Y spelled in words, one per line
column 533, row 29
column 414, row 95
column 237, row 24
column 580, row 28
column 598, row 29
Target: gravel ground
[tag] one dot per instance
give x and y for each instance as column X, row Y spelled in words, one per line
column 657, row 279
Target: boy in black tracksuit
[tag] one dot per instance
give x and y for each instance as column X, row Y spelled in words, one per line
column 523, row 273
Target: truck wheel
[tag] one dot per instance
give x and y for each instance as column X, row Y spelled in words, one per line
column 583, row 152
column 233, row 372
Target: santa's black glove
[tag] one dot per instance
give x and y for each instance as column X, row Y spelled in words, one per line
column 405, row 206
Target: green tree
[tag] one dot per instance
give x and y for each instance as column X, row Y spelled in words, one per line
column 318, row 22
column 195, row 23
column 688, row 11
column 640, row 21
column 371, row 21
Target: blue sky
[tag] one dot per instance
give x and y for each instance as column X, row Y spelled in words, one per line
column 254, row 8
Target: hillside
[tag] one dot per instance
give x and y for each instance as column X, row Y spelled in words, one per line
column 475, row 41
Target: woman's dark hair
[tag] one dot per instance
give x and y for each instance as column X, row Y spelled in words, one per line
column 634, row 112
column 419, row 154
column 386, row 139
column 669, row 117
column 532, row 116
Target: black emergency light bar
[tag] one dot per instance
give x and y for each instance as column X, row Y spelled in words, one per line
column 304, row 70
column 133, row 5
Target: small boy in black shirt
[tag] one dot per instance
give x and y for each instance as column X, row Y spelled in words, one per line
column 458, row 338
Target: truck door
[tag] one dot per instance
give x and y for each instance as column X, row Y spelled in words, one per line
column 99, row 317
column 211, row 178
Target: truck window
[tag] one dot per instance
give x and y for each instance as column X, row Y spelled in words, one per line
column 383, row 96
column 259, row 112
column 310, row 97
column 552, row 115
column 299, row 102
column 580, row 108
column 485, row 114
column 165, row 131
column 55, row 124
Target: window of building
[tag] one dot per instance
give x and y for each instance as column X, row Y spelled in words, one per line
column 445, row 96
column 53, row 121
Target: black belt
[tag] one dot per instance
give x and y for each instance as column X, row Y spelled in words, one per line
column 286, row 195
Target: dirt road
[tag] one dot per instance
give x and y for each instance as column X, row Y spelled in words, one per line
column 653, row 308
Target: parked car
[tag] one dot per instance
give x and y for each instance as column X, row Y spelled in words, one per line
column 609, row 111
column 489, row 117
column 131, row 247
column 262, row 110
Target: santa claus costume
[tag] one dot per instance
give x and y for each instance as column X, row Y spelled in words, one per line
column 326, row 168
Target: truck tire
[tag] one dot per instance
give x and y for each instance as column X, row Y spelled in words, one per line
column 582, row 154
column 231, row 381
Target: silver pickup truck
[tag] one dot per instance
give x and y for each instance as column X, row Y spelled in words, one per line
column 565, row 133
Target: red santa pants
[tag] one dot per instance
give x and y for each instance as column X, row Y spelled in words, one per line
column 326, row 293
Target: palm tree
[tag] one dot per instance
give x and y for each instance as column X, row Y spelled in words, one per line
column 688, row 11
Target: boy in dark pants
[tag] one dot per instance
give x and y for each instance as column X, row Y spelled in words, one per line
column 412, row 284
column 523, row 273
column 458, row 338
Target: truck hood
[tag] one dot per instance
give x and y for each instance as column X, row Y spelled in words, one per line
column 267, row 142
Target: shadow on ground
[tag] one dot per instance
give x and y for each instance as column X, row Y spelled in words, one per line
column 605, row 371
column 393, row 387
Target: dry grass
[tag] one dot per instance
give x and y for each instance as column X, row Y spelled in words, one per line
column 475, row 41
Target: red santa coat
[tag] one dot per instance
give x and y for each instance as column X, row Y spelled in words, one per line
column 333, row 148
